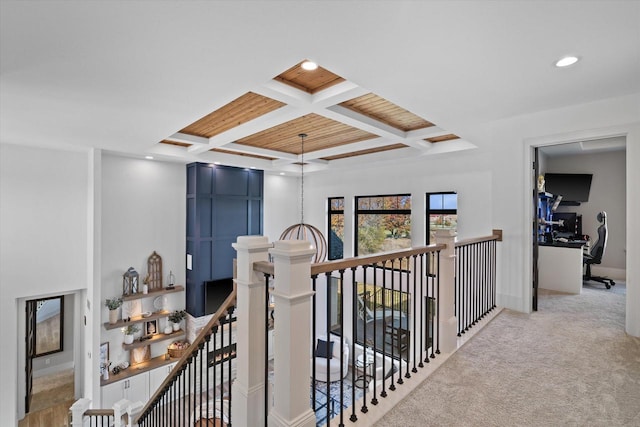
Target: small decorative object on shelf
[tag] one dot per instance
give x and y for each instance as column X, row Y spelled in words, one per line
column 145, row 286
column 130, row 282
column 154, row 269
column 176, row 317
column 177, row 348
column 105, row 370
column 172, row 280
column 128, row 331
column 113, row 304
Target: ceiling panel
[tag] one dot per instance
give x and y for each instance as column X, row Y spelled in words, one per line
column 442, row 138
column 372, row 105
column 239, row 111
column 321, row 133
column 309, row 81
column 363, row 152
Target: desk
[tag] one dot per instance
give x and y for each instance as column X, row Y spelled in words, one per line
column 560, row 267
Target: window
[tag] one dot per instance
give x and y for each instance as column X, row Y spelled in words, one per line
column 336, row 228
column 383, row 223
column 442, row 212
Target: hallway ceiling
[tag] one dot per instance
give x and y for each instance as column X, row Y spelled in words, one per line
column 220, row 81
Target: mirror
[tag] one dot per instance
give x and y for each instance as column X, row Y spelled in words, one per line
column 49, row 325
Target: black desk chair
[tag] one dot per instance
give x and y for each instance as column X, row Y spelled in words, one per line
column 597, row 252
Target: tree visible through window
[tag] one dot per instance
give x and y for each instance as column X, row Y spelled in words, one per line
column 383, row 223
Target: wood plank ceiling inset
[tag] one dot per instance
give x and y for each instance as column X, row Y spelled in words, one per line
column 378, row 108
column 321, row 133
column 237, row 153
column 239, row 111
column 308, row 81
column 442, row 138
column 368, row 151
column 179, row 144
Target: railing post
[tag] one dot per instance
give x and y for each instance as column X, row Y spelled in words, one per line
column 292, row 341
column 248, row 387
column 119, row 409
column 446, row 304
column 77, row 411
column 133, row 410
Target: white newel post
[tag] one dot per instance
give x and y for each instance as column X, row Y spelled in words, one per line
column 77, row 411
column 292, row 339
column 248, row 387
column 448, row 322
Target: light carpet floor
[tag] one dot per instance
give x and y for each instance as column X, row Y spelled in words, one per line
column 569, row 364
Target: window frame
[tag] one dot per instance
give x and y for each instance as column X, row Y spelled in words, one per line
column 430, row 211
column 330, row 213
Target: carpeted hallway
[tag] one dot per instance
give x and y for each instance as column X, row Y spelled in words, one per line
column 569, row 364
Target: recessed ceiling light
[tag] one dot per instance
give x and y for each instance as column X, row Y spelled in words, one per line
column 216, row 163
column 309, row 65
column 281, row 173
column 148, row 157
column 566, row 61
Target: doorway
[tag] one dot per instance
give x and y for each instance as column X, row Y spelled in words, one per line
column 49, row 356
column 605, row 160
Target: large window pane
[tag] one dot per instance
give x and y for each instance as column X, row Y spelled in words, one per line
column 383, row 223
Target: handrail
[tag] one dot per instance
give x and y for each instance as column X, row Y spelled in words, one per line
column 191, row 350
column 98, row 412
column 346, row 263
column 497, row 235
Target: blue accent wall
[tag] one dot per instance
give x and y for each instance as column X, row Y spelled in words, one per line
column 223, row 202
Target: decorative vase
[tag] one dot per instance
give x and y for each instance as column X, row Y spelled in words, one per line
column 113, row 316
column 145, row 289
column 176, row 326
column 168, row 330
column 128, row 339
column 105, row 374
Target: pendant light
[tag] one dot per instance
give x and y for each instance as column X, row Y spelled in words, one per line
column 302, row 231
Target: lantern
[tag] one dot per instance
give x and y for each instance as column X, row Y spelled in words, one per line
column 130, row 282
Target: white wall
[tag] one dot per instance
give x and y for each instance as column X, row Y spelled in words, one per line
column 43, row 228
column 143, row 210
column 281, row 204
column 608, row 193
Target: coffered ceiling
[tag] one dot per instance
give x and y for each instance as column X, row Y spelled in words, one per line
column 338, row 118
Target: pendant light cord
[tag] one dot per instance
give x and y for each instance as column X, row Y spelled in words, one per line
column 302, row 136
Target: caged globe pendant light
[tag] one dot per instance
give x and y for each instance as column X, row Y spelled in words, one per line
column 304, row 231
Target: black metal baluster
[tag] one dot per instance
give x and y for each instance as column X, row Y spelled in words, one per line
column 414, row 312
column 313, row 342
column 342, row 344
column 427, row 303
column 407, row 374
column 438, row 301
column 432, row 298
column 383, row 393
column 365, row 294
column 354, row 321
column 467, row 305
column 216, row 351
column 266, row 347
column 328, row 352
column 421, row 302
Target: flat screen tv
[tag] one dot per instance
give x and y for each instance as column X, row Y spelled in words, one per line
column 573, row 187
column 216, row 291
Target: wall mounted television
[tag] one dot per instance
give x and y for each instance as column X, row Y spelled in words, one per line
column 573, row 187
column 215, row 292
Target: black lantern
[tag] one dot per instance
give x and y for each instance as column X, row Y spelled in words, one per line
column 130, row 282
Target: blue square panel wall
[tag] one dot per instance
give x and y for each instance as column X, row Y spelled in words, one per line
column 223, row 203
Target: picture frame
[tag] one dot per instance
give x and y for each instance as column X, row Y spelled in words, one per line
column 104, row 355
column 151, row 327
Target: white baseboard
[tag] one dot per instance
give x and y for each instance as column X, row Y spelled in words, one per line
column 53, row 369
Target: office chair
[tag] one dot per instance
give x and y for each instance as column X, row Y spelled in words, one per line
column 597, row 252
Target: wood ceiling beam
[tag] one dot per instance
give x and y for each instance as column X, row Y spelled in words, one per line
column 240, row 148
